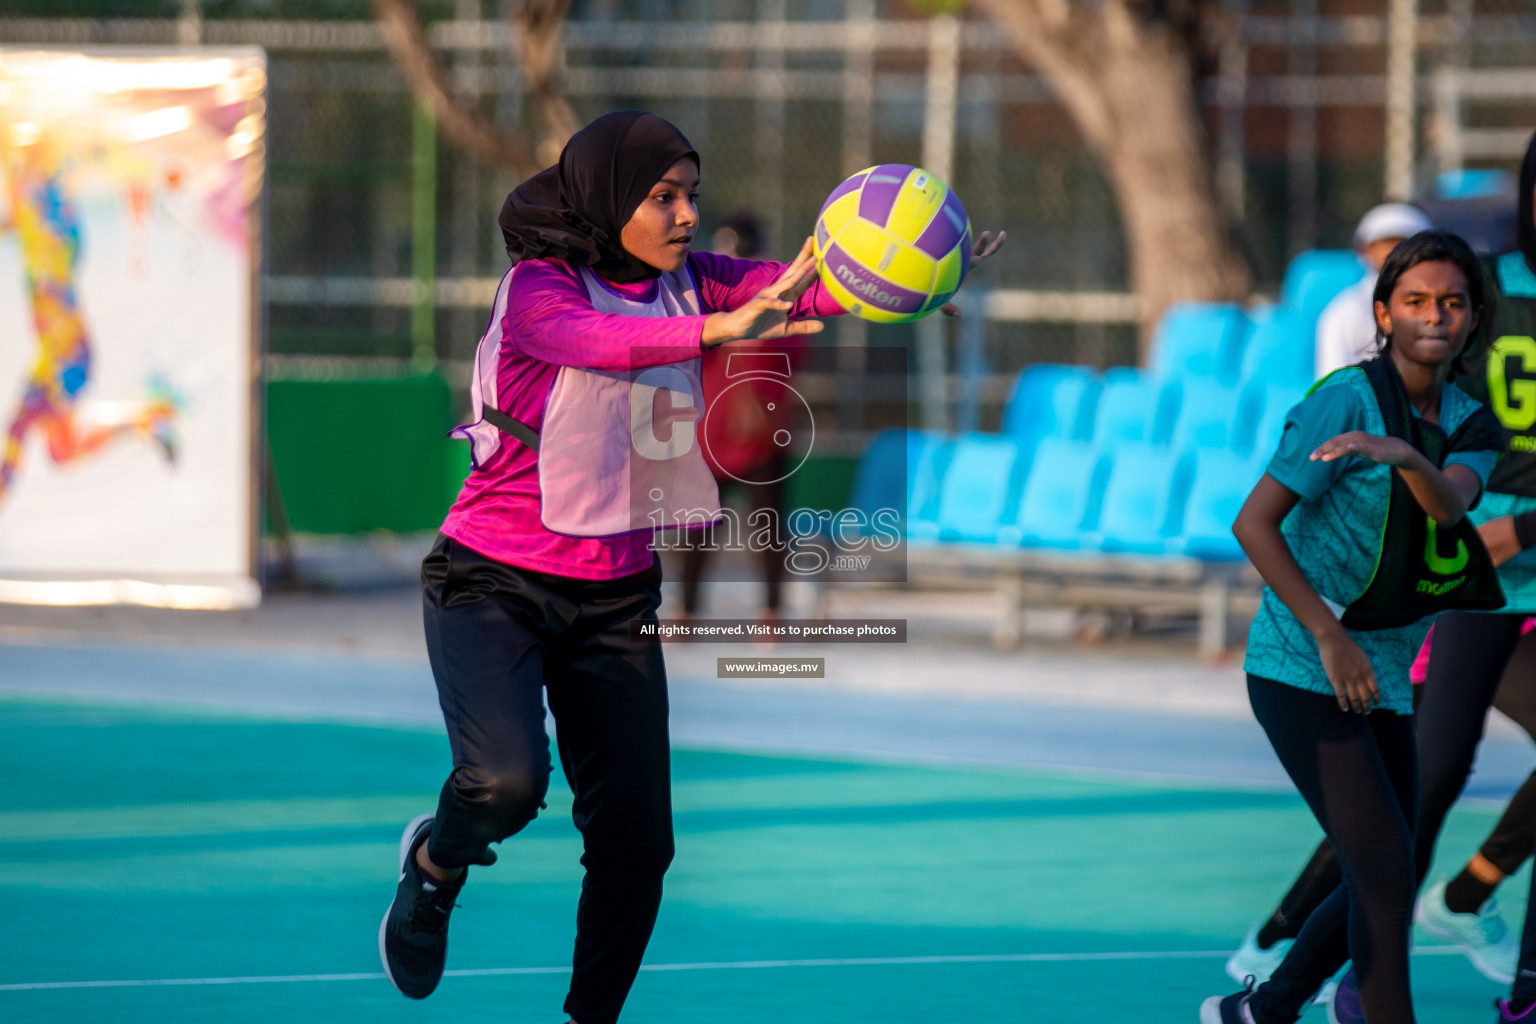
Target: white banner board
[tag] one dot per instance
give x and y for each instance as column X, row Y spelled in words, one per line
column 130, row 216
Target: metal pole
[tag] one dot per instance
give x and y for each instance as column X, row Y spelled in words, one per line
column 464, row 246
column 943, row 87
column 189, row 27
column 1301, row 141
column 972, row 356
column 858, row 118
column 858, row 84
column 770, row 116
column 938, row 159
column 1447, row 133
column 1444, row 134
column 423, row 237
column 1402, row 30
column 1232, row 86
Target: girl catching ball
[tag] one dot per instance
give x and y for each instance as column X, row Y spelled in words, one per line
column 586, row 396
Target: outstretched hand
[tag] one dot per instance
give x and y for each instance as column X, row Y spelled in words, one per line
column 984, row 246
column 766, row 315
column 1389, row 451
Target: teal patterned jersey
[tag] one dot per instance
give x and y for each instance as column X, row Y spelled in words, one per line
column 1335, row 532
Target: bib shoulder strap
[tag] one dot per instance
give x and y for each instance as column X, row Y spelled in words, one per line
column 1392, row 398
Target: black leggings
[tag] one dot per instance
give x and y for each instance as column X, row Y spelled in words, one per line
column 499, row 639
column 1359, row 775
column 1513, row 838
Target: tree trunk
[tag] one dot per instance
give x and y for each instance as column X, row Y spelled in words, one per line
column 541, row 22
column 1127, row 78
column 537, row 25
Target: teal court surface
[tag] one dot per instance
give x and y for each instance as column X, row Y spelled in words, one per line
column 165, row 861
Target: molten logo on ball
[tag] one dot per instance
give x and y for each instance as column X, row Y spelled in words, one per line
column 869, row 289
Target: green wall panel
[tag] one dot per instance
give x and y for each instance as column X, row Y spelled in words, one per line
column 357, row 455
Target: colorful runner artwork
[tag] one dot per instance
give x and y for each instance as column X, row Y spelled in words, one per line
column 130, row 183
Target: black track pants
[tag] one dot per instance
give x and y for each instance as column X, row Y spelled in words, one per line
column 1514, row 838
column 1472, row 655
column 1359, row 775
column 499, row 639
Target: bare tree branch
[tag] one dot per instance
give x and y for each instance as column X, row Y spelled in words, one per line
column 537, row 25
column 541, row 22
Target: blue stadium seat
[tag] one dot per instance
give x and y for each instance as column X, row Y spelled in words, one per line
column 883, row 477
column 1133, row 407
column 900, row 469
column 1143, row 499
column 928, row 470
column 1200, row 339
column 977, row 488
column 1314, row 278
column 1220, row 483
column 1209, row 415
column 1060, row 498
column 1051, row 400
column 1473, row 183
column 1281, row 350
column 1270, row 404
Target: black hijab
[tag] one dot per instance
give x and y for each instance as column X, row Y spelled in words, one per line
column 1527, row 229
column 576, row 210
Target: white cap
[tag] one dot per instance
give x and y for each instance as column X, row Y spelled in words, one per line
column 1390, row 220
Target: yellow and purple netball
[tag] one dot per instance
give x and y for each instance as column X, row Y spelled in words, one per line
column 894, row 243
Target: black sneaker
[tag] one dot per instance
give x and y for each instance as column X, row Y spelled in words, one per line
column 413, row 937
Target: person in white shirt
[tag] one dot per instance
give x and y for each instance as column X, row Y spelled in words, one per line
column 1346, row 331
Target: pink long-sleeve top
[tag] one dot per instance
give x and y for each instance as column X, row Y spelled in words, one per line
column 550, row 323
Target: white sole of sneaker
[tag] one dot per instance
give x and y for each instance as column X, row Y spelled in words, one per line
column 405, row 851
column 1482, row 966
column 1424, row 921
column 1210, row 1011
column 1487, row 969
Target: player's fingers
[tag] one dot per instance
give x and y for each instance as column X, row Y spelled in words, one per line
column 800, row 287
column 797, row 327
column 950, row 309
column 794, row 269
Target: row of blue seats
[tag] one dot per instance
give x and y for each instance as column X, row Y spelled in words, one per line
column 1061, row 494
column 1076, row 403
column 1274, row 344
column 1153, row 461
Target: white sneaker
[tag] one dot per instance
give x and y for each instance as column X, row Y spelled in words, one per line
column 1251, row 960
column 1482, row 936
